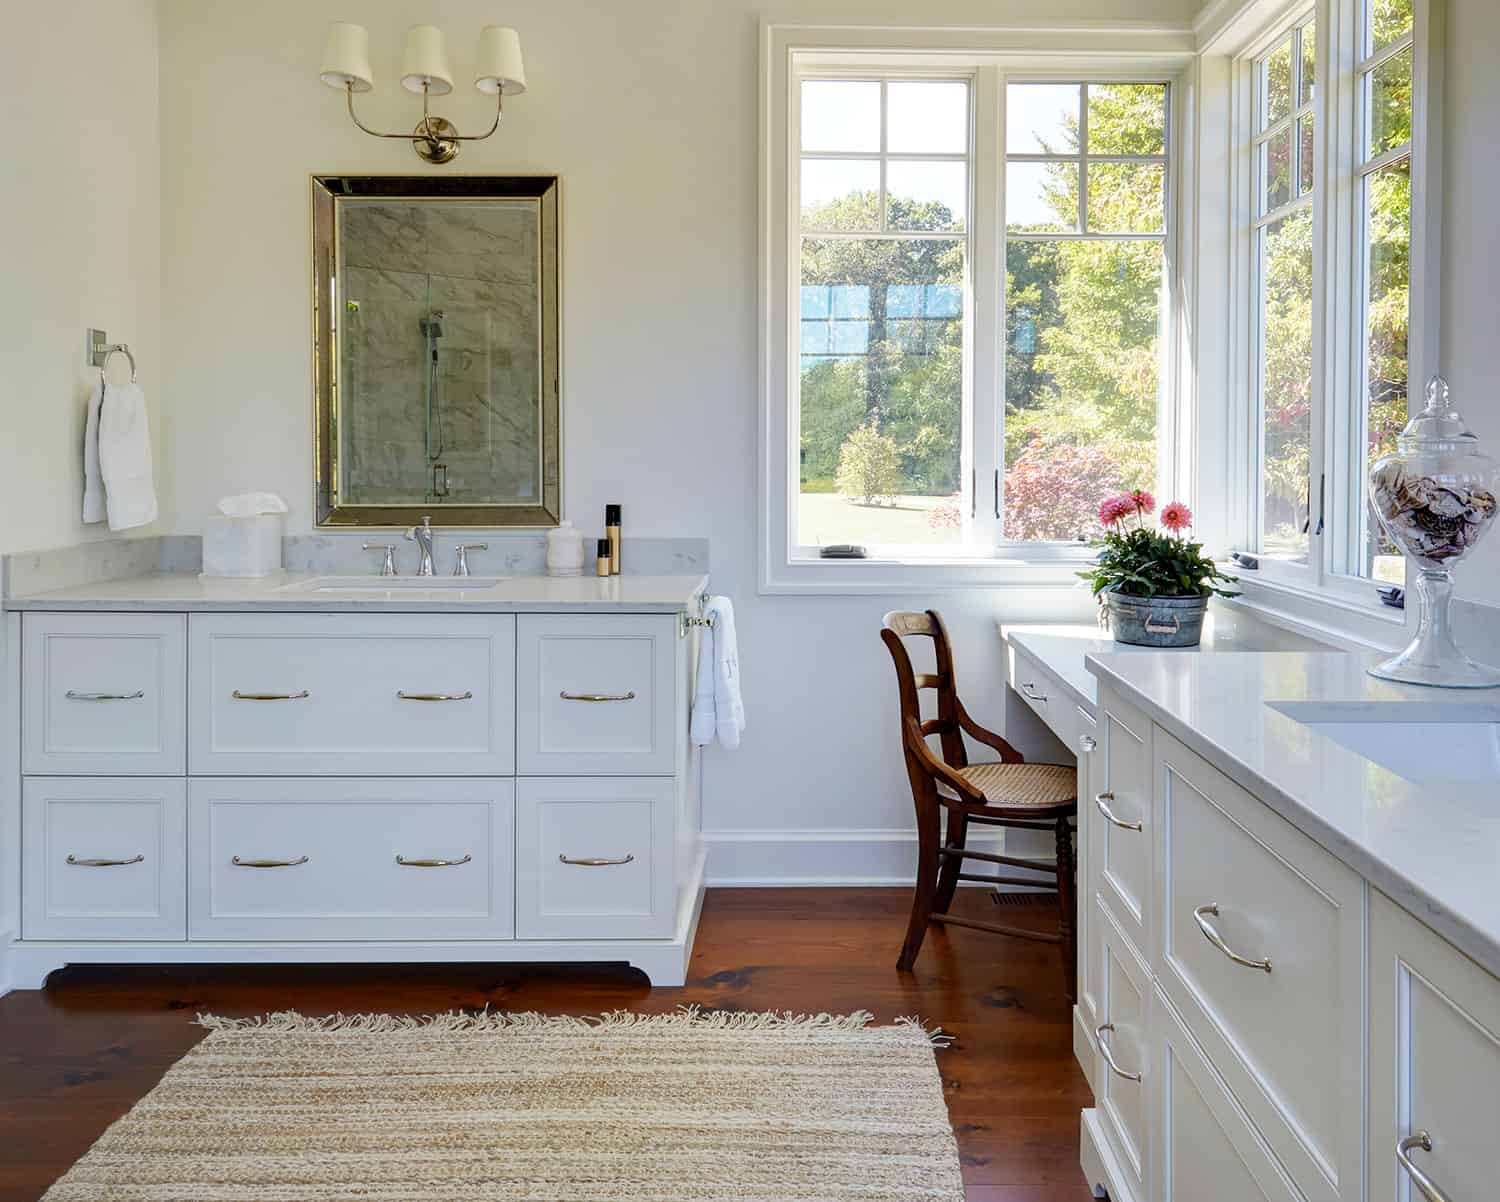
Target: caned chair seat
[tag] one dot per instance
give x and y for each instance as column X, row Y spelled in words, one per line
column 1041, row 785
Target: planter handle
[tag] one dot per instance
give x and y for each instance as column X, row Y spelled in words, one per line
column 1153, row 626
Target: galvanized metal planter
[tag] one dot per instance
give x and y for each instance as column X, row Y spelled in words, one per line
column 1156, row 621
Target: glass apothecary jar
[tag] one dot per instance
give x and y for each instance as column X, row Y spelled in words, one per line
column 1435, row 497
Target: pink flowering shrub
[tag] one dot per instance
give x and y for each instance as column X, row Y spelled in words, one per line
column 1047, row 491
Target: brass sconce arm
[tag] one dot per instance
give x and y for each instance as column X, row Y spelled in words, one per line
column 435, row 139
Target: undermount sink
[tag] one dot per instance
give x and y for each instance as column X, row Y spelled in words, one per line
column 1421, row 741
column 392, row 584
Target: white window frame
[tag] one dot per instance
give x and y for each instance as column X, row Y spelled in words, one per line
column 1325, row 590
column 1110, row 52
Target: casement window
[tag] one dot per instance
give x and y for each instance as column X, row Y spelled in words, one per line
column 1331, row 180
column 968, row 312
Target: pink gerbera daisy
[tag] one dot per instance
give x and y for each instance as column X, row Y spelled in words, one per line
column 1142, row 500
column 1176, row 516
column 1112, row 509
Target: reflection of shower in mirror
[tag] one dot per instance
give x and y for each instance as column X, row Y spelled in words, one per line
column 431, row 327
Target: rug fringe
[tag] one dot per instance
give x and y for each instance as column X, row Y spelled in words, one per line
column 688, row 1016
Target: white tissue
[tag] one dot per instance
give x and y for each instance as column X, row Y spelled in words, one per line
column 248, row 504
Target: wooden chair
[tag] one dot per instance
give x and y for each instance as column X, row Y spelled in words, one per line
column 1010, row 793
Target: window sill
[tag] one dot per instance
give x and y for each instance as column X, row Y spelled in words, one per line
column 1343, row 620
column 892, row 575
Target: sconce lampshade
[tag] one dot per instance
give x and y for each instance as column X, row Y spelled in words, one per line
column 346, row 58
column 426, row 61
column 500, row 68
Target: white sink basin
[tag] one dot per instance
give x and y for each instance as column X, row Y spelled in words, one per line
column 1421, row 741
column 392, row 584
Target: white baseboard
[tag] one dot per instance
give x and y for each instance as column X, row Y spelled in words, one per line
column 7, row 965
column 849, row 857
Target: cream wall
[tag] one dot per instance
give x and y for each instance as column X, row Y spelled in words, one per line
column 647, row 111
column 79, row 243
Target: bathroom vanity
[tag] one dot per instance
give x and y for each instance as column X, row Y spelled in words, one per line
column 1289, row 981
column 326, row 768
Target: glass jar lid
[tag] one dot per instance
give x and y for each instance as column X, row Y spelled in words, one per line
column 1439, row 425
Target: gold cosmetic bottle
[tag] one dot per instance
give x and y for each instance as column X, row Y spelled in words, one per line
column 602, row 562
column 612, row 531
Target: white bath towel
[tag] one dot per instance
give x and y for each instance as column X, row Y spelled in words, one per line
column 125, row 457
column 93, row 482
column 718, row 708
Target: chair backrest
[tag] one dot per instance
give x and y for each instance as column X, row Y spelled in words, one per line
column 903, row 624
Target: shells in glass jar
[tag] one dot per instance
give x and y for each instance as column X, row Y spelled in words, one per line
column 1435, row 521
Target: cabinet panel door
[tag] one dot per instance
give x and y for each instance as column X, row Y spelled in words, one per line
column 104, row 858
column 1123, row 788
column 596, row 695
column 352, row 694
column 1121, row 1073
column 1434, row 1062
column 1089, row 838
column 103, row 694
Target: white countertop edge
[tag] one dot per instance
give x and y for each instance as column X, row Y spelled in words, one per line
column 1478, row 944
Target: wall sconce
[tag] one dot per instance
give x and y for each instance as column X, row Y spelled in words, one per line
column 424, row 69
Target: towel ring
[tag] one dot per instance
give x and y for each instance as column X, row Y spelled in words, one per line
column 114, row 348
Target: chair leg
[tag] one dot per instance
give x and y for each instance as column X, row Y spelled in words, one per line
column 925, row 892
column 951, row 866
column 1067, row 903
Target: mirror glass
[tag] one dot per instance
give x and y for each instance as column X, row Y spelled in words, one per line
column 437, row 350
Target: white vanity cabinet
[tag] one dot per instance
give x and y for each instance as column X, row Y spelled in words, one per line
column 356, row 786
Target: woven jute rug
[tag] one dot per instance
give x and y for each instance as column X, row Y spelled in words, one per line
column 685, row 1107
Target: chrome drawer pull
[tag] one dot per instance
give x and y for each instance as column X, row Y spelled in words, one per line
column 1089, row 743
column 1102, row 800
column 1109, row 1058
column 72, row 859
column 591, row 862
column 71, row 695
column 434, row 696
column 566, row 696
column 1027, row 686
column 1421, row 1180
column 302, row 695
column 405, row 863
column 1213, row 936
column 239, row 863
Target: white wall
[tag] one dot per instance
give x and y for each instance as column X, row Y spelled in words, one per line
column 80, row 229
column 647, row 111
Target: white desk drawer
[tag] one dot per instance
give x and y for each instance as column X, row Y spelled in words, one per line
column 1121, row 1074
column 105, row 859
column 103, row 694
column 594, row 858
column 352, row 694
column 1044, row 694
column 1118, row 811
column 596, row 695
column 351, row 859
column 1282, row 1038
column 1434, row 1062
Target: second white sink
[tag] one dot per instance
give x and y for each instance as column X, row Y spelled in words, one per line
column 1421, row 741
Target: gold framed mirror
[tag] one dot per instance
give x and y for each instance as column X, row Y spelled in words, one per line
column 435, row 350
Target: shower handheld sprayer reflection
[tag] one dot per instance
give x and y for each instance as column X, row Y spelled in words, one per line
column 431, row 327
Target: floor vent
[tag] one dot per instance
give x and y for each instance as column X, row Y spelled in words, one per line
column 1019, row 898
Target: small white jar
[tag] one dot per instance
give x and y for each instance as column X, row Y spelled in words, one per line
column 564, row 550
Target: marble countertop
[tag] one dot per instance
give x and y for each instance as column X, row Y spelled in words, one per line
column 1432, row 843
column 1063, row 649
column 290, row 592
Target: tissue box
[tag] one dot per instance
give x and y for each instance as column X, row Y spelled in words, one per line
column 247, row 546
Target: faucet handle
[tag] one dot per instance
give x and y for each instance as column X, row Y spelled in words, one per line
column 388, row 568
column 461, row 568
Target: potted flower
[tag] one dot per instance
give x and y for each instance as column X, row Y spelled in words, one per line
column 1154, row 583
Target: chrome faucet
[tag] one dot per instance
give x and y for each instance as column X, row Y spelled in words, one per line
column 423, row 537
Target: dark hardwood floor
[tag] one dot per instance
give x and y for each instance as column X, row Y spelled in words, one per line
column 77, row 1055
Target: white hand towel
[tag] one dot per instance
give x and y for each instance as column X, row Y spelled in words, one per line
column 125, row 457
column 93, row 482
column 718, row 708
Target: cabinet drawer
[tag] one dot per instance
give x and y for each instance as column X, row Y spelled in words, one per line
column 1118, row 810
column 1434, row 1062
column 105, row 859
column 352, row 694
column 350, row 859
column 103, row 694
column 594, row 858
column 596, row 694
column 1044, row 694
column 1243, row 889
column 1204, row 1147
column 1122, row 1037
